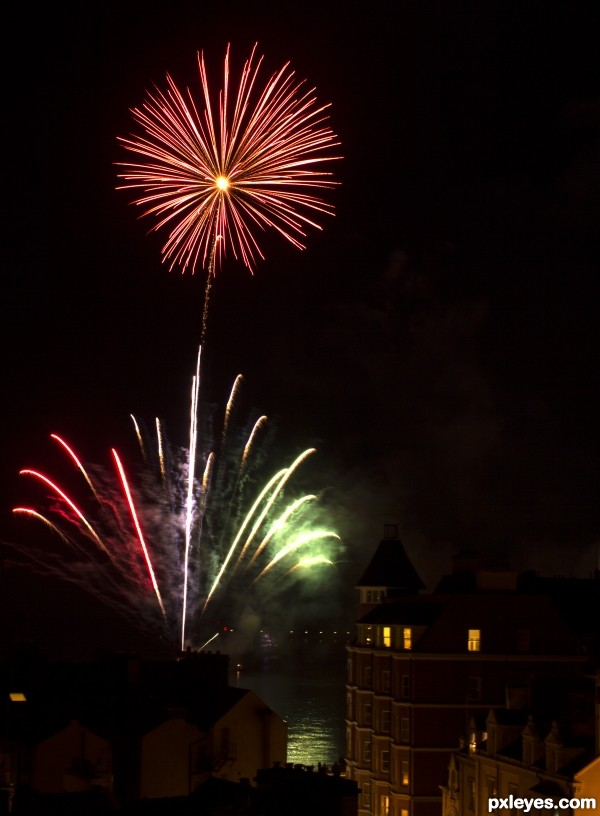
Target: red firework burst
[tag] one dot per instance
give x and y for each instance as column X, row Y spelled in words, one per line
column 215, row 179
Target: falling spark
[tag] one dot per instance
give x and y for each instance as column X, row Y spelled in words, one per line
column 71, row 504
column 28, row 511
column 210, row 640
column 285, row 475
column 264, row 492
column 73, row 456
column 138, row 435
column 305, row 538
column 260, row 423
column 138, row 530
column 161, row 454
column 234, row 391
column 310, row 562
column 279, row 525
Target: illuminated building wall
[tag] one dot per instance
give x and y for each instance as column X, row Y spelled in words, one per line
column 529, row 755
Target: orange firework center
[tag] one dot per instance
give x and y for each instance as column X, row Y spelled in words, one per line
column 222, row 182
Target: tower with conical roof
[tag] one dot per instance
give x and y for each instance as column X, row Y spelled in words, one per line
column 389, row 575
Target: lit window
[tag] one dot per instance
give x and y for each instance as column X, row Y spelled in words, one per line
column 387, row 636
column 404, row 812
column 472, row 742
column 474, row 641
column 405, row 777
column 407, row 638
column 369, row 637
column 384, row 805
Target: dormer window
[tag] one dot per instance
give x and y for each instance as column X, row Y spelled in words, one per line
column 407, row 638
column 474, row 640
column 375, row 596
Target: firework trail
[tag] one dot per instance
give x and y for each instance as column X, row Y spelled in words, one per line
column 189, row 509
column 138, row 530
column 216, row 170
column 158, row 542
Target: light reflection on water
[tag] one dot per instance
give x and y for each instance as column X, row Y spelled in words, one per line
column 310, row 698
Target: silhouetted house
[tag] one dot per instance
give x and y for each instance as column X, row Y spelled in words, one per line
column 229, row 737
column 136, row 728
column 74, row 759
column 423, row 665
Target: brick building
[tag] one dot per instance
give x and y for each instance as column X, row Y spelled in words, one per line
column 424, row 664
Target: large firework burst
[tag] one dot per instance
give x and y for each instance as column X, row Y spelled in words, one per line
column 216, row 171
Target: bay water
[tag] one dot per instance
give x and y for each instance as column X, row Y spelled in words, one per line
column 306, row 688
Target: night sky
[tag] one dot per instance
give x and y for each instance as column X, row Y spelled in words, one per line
column 437, row 341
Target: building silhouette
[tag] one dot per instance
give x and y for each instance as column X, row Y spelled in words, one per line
column 135, row 729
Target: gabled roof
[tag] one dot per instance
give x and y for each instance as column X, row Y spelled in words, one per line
column 206, row 710
column 216, row 707
column 391, row 567
column 512, row 750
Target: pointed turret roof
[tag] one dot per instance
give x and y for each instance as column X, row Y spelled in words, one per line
column 391, row 566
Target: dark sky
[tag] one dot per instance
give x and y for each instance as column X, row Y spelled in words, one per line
column 437, row 342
